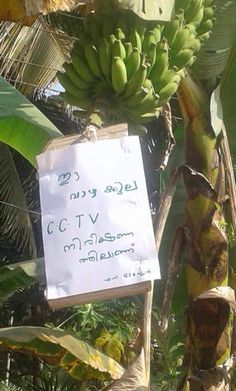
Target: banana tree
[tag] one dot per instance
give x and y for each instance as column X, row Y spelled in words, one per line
column 134, row 90
column 209, row 181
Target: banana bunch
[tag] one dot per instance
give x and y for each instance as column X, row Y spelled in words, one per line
column 199, row 13
column 127, row 68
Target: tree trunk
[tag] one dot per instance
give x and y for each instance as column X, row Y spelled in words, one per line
column 209, row 315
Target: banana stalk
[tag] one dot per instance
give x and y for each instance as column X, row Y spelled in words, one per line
column 209, row 323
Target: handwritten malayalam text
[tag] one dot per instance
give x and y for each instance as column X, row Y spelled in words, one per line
column 83, row 193
column 93, row 248
column 95, row 239
column 97, row 226
column 140, row 273
column 94, row 256
column 65, row 178
column 117, row 187
column 97, row 242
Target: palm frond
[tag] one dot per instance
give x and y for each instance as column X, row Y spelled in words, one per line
column 16, row 223
column 31, row 56
column 9, row 387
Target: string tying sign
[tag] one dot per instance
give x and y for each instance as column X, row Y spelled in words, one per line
column 96, row 221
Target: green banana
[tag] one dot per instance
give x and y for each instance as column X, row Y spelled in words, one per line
column 119, row 34
column 74, row 77
column 166, row 77
column 205, row 36
column 208, row 13
column 182, row 58
column 136, row 81
column 148, row 84
column 148, row 40
column 167, row 91
column 118, row 49
column 124, row 61
column 104, row 52
column 151, row 56
column 194, row 44
column 135, row 100
column 148, row 104
column 206, row 26
column 118, row 75
column 157, row 29
column 197, row 19
column 83, row 103
column 190, row 62
column 180, row 40
column 135, row 39
column 133, row 62
column 91, row 55
column 69, row 86
column 111, row 39
column 144, row 118
column 81, row 68
column 161, row 64
column 193, row 10
column 128, row 48
column 171, row 28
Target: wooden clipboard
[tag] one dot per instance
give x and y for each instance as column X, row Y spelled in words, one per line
column 91, row 134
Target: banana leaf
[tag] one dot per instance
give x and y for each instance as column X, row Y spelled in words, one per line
column 34, row 268
column 20, row 275
column 228, row 97
column 22, row 126
column 13, row 280
column 60, row 348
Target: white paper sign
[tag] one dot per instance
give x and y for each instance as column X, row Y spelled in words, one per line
column 97, row 228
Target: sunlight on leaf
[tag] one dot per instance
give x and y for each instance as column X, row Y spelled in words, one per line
column 53, row 346
column 22, row 125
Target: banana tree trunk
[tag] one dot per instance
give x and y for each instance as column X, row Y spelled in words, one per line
column 209, row 315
